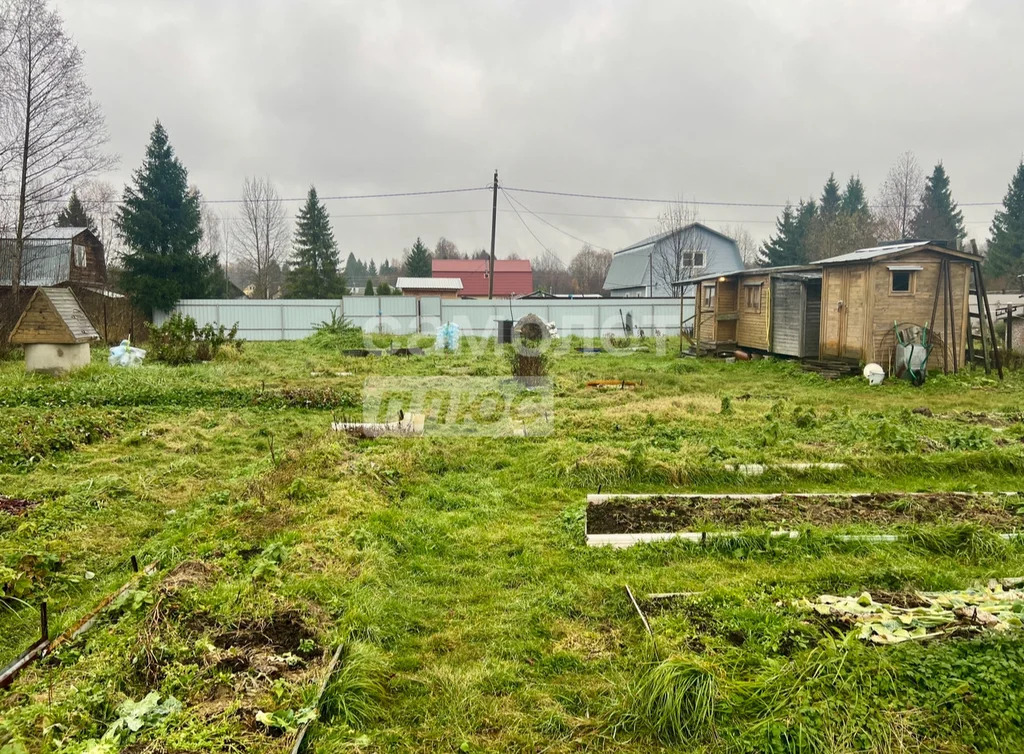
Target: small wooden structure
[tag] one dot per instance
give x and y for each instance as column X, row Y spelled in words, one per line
column 55, row 331
column 775, row 310
column 845, row 309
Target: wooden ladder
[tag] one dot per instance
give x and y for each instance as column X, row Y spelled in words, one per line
column 988, row 354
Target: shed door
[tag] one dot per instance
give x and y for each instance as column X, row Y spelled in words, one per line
column 787, row 317
column 845, row 292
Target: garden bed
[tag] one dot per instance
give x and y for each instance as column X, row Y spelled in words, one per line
column 645, row 514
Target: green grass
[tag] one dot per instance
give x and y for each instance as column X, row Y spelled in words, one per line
column 454, row 570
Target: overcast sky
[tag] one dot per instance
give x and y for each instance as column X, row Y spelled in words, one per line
column 725, row 101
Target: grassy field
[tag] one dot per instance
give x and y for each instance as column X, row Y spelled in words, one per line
column 454, row 572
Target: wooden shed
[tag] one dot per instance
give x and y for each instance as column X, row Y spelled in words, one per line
column 866, row 292
column 55, row 332
column 774, row 310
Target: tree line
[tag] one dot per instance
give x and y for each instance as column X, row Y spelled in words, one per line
column 909, row 205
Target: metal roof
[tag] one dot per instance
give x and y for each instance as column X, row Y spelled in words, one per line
column 659, row 236
column 809, row 272
column 75, row 326
column 430, row 284
column 896, row 249
column 56, row 234
column 46, row 259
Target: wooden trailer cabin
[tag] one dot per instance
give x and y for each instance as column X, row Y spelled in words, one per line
column 773, row 310
column 844, row 308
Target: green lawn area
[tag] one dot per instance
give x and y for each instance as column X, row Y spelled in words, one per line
column 454, row 572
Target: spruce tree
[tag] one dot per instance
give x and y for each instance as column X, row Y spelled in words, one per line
column 1006, row 247
column 74, row 215
column 831, row 198
column 853, row 201
column 368, row 290
column 417, row 262
column 792, row 230
column 372, row 270
column 313, row 269
column 938, row 218
column 159, row 221
column 384, row 289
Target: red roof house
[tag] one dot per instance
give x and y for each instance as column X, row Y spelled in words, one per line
column 511, row 276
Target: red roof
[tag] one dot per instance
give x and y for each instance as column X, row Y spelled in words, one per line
column 511, row 276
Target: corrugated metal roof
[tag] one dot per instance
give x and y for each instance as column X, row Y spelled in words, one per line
column 63, row 302
column 430, row 284
column 511, row 276
column 44, row 262
column 56, row 234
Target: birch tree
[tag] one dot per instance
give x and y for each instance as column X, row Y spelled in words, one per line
column 899, row 198
column 260, row 236
column 54, row 133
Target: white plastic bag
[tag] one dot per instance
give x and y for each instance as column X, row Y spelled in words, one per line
column 447, row 337
column 125, row 355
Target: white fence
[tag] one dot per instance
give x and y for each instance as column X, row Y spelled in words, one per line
column 293, row 319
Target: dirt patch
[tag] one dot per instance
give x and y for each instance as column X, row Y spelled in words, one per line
column 669, row 514
column 983, row 419
column 189, row 573
column 283, row 632
column 15, row 506
column 906, row 600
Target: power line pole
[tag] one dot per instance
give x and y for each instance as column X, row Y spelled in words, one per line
column 494, row 221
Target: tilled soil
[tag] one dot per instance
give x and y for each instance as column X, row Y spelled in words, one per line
column 670, row 514
column 15, row 506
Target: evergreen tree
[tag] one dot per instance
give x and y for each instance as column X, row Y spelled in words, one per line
column 159, row 221
column 385, row 269
column 372, row 269
column 74, row 215
column 1006, row 247
column 384, row 289
column 938, row 218
column 417, row 261
column 853, row 201
column 789, row 244
column 368, row 291
column 831, row 198
column 313, row 269
column 356, row 272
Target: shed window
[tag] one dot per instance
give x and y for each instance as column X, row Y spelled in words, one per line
column 693, row 259
column 901, row 281
column 753, row 294
column 79, row 256
column 709, row 297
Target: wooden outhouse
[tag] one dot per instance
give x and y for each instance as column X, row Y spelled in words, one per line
column 55, row 332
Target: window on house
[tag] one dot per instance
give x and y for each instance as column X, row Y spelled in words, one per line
column 79, row 256
column 902, row 281
column 693, row 259
column 709, row 297
column 753, row 294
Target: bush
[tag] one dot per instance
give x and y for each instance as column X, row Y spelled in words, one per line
column 181, row 341
column 339, row 332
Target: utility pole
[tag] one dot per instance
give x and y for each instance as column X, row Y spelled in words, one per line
column 494, row 220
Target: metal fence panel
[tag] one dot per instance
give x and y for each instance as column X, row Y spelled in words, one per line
column 403, row 315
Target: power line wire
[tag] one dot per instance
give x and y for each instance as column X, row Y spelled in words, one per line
column 528, row 228
column 550, row 224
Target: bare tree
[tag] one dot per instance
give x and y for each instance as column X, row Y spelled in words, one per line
column 54, row 133
column 549, row 274
column 589, row 268
column 681, row 250
column 100, row 201
column 446, row 249
column 261, row 235
column 745, row 241
column 898, row 198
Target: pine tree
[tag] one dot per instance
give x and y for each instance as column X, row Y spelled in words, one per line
column 789, row 244
column 74, row 215
column 853, row 201
column 1006, row 247
column 417, row 262
column 372, row 269
column 384, row 289
column 938, row 218
column 368, row 290
column 831, row 198
column 314, row 265
column 356, row 272
column 159, row 221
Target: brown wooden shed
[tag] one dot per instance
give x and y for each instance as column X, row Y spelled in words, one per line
column 55, row 331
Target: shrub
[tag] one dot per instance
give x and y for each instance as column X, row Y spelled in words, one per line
column 180, row 340
column 338, row 332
